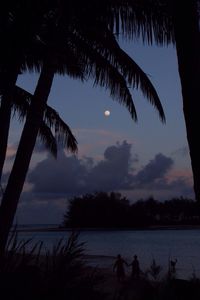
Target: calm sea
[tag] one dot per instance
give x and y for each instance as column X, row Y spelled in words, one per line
column 161, row 245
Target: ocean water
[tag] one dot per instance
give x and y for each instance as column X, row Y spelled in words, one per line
column 162, row 245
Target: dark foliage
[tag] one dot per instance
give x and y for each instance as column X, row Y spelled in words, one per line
column 97, row 210
column 101, row 210
column 28, row 272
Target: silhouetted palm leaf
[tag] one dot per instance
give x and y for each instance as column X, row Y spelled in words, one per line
column 146, row 19
column 106, row 46
column 105, row 74
column 48, row 139
column 51, row 122
column 62, row 131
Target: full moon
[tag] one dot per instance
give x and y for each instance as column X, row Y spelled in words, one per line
column 107, row 113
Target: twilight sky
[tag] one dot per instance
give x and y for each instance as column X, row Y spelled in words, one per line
column 140, row 159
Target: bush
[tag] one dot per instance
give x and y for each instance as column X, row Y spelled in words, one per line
column 26, row 273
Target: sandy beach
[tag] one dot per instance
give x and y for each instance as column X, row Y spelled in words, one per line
column 113, row 289
column 146, row 287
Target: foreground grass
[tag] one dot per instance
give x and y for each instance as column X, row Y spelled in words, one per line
column 57, row 274
column 28, row 273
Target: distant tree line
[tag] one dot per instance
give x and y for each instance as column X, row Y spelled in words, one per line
column 112, row 210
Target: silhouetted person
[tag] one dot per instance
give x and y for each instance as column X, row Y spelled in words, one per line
column 173, row 265
column 119, row 267
column 135, row 274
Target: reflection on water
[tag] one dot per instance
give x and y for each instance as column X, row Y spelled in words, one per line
column 162, row 245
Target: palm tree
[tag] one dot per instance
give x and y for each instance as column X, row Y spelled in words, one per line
column 16, row 55
column 184, row 32
column 100, row 58
column 163, row 22
column 51, row 121
column 53, row 130
column 187, row 36
column 183, row 20
column 14, row 14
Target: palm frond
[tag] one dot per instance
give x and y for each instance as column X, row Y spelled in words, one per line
column 48, row 139
column 105, row 47
column 63, row 133
column 65, row 60
column 21, row 102
column 134, row 75
column 105, row 74
column 146, row 19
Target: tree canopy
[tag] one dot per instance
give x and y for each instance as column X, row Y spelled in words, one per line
column 112, row 210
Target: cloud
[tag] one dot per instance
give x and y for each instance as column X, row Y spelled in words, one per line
column 155, row 170
column 100, row 137
column 158, row 177
column 113, row 172
column 69, row 175
column 51, row 182
column 57, row 178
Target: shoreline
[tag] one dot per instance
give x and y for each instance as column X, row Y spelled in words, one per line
column 153, row 227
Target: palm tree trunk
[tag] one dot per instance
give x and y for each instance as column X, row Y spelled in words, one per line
column 23, row 156
column 5, row 113
column 187, row 35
